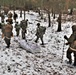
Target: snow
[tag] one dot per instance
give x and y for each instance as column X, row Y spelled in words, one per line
column 17, row 61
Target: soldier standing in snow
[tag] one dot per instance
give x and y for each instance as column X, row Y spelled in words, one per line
column 7, row 33
column 17, row 27
column 40, row 32
column 72, row 45
column 23, row 27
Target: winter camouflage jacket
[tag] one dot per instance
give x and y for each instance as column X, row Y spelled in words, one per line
column 7, row 31
column 23, row 25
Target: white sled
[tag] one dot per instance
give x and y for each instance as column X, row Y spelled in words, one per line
column 29, row 46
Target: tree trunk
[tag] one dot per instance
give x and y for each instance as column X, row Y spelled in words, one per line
column 59, row 23
column 21, row 13
column 49, row 20
column 54, row 16
column 52, row 12
column 24, row 14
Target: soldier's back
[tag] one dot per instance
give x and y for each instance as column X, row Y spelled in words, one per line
column 42, row 29
column 23, row 25
column 8, row 28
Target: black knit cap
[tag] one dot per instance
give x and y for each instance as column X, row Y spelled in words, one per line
column 38, row 24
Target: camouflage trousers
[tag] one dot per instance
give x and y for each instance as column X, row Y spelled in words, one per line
column 41, row 38
column 7, row 41
column 23, row 34
column 17, row 32
column 68, row 54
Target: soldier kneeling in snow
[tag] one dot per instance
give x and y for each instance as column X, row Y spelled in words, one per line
column 72, row 45
column 7, row 33
column 40, row 32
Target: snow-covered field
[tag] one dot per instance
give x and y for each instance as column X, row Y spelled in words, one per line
column 16, row 61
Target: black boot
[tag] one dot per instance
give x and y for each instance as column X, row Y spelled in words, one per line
column 70, row 61
column 74, row 64
column 42, row 44
column 36, row 41
column 7, row 46
column 7, row 42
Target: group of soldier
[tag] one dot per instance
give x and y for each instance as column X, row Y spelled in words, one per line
column 7, row 29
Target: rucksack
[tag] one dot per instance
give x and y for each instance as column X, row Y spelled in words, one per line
column 7, row 31
column 42, row 29
column 8, row 28
column 24, row 25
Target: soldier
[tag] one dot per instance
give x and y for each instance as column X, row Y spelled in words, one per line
column 23, row 26
column 72, row 45
column 17, row 27
column 7, row 34
column 40, row 32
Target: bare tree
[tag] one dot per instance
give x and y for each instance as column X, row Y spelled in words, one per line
column 59, row 23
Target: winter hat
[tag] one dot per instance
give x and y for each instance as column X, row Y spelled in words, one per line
column 38, row 24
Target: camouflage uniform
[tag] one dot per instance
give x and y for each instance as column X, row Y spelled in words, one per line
column 17, row 27
column 40, row 32
column 7, row 34
column 23, row 26
column 72, row 43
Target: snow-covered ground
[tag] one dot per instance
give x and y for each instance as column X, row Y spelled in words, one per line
column 16, row 61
